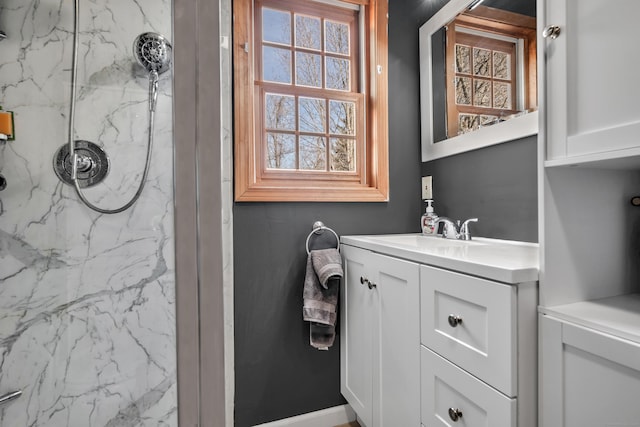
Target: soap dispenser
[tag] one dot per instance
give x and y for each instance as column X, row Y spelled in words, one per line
column 428, row 220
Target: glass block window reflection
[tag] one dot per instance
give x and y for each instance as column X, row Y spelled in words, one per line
column 481, row 62
column 471, row 122
column 467, row 123
column 309, row 100
column 483, row 80
column 463, row 59
column 483, row 77
column 463, row 90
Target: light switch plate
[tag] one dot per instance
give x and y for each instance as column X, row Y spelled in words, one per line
column 427, row 192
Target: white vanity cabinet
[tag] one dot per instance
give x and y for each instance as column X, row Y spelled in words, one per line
column 592, row 108
column 589, row 377
column 479, row 350
column 379, row 338
column 422, row 344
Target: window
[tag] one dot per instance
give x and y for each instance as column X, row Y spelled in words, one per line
column 491, row 68
column 310, row 100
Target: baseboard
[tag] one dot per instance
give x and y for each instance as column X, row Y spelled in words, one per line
column 327, row 417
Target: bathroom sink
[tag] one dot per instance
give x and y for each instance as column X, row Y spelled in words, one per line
column 503, row 260
column 427, row 242
column 431, row 245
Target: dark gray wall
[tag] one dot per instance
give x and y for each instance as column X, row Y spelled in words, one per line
column 496, row 184
column 525, row 7
column 278, row 374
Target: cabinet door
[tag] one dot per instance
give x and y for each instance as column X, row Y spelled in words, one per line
column 397, row 343
column 591, row 77
column 356, row 322
column 588, row 378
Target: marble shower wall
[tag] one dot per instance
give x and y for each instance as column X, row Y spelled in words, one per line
column 87, row 313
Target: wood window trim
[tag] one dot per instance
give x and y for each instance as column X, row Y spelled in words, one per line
column 373, row 183
column 501, row 22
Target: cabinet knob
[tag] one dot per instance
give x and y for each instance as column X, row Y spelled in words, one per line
column 365, row 281
column 551, row 32
column 454, row 320
column 455, row 414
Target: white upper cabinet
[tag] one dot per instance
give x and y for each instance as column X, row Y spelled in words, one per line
column 592, row 82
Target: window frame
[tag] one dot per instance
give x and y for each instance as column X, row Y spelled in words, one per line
column 253, row 182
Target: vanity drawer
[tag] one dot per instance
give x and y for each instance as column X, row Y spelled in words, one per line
column 472, row 322
column 449, row 392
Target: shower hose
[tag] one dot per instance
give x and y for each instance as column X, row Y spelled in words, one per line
column 74, row 156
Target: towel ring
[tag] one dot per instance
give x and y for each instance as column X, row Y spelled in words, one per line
column 318, row 228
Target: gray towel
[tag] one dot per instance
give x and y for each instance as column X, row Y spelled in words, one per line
column 320, row 296
column 327, row 264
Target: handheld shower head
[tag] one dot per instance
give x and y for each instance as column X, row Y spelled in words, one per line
column 153, row 52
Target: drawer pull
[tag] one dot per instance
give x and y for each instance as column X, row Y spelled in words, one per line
column 454, row 320
column 455, row 414
column 364, row 281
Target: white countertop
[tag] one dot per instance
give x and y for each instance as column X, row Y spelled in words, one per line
column 501, row 260
column 619, row 315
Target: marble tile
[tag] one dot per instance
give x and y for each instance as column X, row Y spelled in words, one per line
column 87, row 301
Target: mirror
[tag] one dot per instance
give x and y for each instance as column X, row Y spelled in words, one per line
column 478, row 84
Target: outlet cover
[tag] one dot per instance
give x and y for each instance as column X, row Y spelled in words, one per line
column 427, row 192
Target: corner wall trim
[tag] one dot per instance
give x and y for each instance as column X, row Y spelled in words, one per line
column 326, row 417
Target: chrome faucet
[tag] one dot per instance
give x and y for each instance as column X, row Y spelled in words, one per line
column 450, row 230
column 453, row 230
column 465, row 234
